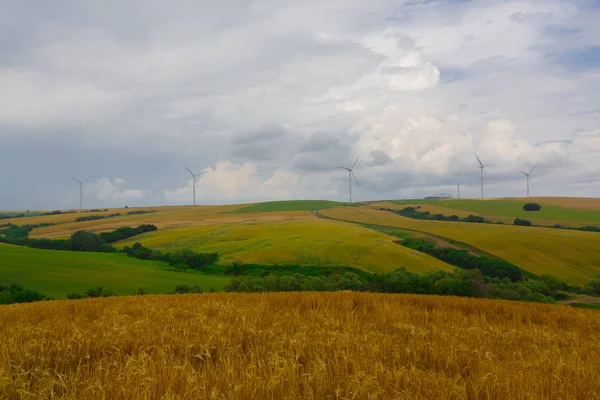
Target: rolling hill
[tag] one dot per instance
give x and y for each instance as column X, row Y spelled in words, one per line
column 311, row 242
column 572, row 256
column 496, row 209
column 57, row 273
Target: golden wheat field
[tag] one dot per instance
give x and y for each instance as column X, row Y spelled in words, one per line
column 572, row 256
column 312, row 242
column 297, row 346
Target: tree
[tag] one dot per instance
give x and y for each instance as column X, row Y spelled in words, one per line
column 532, row 207
column 85, row 241
column 522, row 222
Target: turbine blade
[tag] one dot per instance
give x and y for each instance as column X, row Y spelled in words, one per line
column 480, row 163
column 352, row 172
column 524, row 173
column 530, row 181
column 353, row 165
column 532, row 168
column 347, row 169
column 76, row 180
column 190, row 172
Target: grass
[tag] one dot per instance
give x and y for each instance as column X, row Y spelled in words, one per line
column 590, row 306
column 514, row 208
column 57, row 273
column 289, row 205
column 319, row 242
column 298, row 346
column 572, row 256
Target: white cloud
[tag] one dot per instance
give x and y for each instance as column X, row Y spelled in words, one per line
column 412, row 87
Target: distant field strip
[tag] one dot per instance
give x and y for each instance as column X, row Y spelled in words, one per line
column 290, row 205
column 569, row 255
column 57, row 273
column 170, row 220
column 514, row 208
column 161, row 213
column 440, row 208
column 320, row 242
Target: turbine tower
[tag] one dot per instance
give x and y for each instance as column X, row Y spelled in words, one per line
column 528, row 178
column 194, row 177
column 481, row 167
column 80, row 192
column 350, row 176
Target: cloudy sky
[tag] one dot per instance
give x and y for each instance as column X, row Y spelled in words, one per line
column 271, row 97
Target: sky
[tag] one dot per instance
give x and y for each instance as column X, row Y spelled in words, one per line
column 270, row 98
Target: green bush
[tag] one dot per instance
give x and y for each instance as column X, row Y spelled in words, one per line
column 532, row 207
column 15, row 293
column 522, row 222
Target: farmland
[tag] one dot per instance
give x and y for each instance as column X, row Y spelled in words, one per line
column 298, row 345
column 552, row 213
column 318, row 242
column 57, row 273
column 569, row 255
column 179, row 218
column 290, row 205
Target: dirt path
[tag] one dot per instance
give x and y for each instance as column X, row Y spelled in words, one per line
column 579, row 298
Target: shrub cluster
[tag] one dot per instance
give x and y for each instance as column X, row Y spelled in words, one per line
column 126, row 232
column 79, row 241
column 532, row 207
column 592, row 287
column 14, row 293
column 522, row 222
column 180, row 260
column 411, row 212
column 140, row 212
column 490, row 267
column 470, row 283
column 97, row 291
column 95, row 217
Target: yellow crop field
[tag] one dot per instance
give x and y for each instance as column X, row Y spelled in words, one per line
column 188, row 216
column 298, row 346
column 319, row 242
column 572, row 256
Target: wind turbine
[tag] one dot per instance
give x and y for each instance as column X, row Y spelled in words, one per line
column 350, row 176
column 528, row 177
column 481, row 167
column 80, row 192
column 194, row 177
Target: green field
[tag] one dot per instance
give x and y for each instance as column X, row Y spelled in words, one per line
column 319, row 243
column 57, row 273
column 513, row 208
column 289, row 205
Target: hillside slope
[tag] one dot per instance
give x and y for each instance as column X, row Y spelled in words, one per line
column 319, row 242
column 57, row 273
column 569, row 255
column 298, row 345
column 513, row 208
